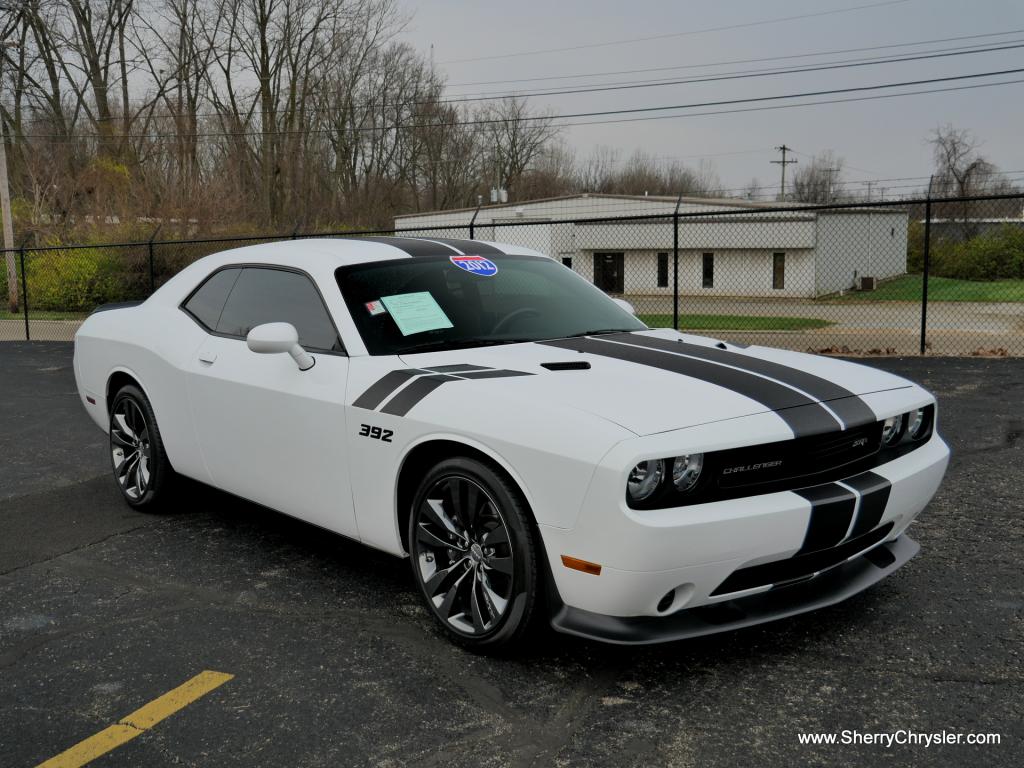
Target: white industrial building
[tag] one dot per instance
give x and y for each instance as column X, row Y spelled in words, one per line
column 726, row 247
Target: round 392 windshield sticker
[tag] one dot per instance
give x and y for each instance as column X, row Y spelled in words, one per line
column 475, row 265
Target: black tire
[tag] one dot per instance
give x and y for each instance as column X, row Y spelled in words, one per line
column 137, row 456
column 472, row 548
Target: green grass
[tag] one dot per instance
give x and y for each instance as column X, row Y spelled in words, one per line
column 736, row 322
column 34, row 315
column 908, row 288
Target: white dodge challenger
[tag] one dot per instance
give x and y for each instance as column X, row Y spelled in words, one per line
column 534, row 449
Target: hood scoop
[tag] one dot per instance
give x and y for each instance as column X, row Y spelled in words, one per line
column 572, row 365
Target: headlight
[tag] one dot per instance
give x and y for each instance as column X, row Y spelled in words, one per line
column 892, row 430
column 645, row 479
column 917, row 424
column 686, row 471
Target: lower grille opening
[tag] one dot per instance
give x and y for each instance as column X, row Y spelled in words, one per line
column 798, row 568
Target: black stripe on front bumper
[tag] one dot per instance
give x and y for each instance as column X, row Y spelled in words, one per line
column 798, row 567
column 836, row 585
column 831, row 514
column 874, row 495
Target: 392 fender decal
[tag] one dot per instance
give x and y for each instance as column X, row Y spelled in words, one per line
column 403, row 402
column 853, row 411
column 423, row 382
column 802, row 414
column 383, row 387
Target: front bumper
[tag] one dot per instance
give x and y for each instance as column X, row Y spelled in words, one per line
column 829, row 588
column 660, row 565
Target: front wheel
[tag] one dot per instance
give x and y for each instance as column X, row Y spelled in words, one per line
column 137, row 456
column 472, row 553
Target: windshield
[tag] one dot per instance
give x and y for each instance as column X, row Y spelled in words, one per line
column 436, row 303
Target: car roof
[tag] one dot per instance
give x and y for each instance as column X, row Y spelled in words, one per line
column 314, row 254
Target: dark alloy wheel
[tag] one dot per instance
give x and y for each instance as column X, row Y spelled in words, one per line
column 472, row 553
column 137, row 456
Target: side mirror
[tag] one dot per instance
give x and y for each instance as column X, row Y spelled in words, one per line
column 275, row 338
column 625, row 305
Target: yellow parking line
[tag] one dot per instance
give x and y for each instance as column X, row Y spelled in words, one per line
column 138, row 722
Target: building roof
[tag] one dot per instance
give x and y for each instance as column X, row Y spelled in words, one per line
column 710, row 204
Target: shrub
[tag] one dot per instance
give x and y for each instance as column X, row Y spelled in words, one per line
column 994, row 255
column 74, row 280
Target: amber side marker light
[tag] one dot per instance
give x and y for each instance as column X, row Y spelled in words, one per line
column 581, row 565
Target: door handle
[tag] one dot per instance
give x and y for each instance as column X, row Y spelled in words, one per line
column 208, row 357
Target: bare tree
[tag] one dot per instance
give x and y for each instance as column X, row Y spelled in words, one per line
column 597, row 174
column 514, row 138
column 817, row 180
column 960, row 170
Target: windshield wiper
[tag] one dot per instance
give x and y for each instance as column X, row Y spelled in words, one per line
column 596, row 332
column 443, row 346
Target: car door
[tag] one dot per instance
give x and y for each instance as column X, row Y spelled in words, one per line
column 268, row 431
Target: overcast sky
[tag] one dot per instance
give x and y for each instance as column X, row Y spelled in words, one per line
column 877, row 139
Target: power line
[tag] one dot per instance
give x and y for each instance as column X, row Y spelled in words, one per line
column 533, row 118
column 761, row 60
column 804, row 104
column 742, row 75
column 599, row 88
column 687, row 33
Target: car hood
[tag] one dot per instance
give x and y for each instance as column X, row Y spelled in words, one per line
column 656, row 381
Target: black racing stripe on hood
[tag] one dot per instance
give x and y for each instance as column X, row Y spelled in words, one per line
column 853, row 411
column 383, row 387
column 802, row 414
column 415, row 247
column 831, row 515
column 470, row 247
column 874, row 495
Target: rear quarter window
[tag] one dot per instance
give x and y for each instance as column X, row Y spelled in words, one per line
column 207, row 302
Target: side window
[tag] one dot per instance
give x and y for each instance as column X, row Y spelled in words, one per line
column 276, row 296
column 663, row 270
column 207, row 302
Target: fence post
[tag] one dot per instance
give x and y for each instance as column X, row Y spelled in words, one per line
column 152, row 271
column 472, row 223
column 675, row 264
column 24, row 291
column 927, row 265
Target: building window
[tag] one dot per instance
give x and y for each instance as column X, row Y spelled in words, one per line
column 663, row 270
column 567, row 261
column 778, row 271
column 709, row 271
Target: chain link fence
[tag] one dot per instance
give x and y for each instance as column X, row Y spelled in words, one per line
column 944, row 277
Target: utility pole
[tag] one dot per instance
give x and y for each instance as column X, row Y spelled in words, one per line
column 870, row 185
column 5, row 211
column 828, row 192
column 783, row 162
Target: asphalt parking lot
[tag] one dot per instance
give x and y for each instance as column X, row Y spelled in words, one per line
column 335, row 663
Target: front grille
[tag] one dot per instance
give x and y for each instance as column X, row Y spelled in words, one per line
column 783, row 572
column 804, row 457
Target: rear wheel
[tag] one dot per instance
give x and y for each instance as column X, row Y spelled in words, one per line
column 137, row 456
column 472, row 553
